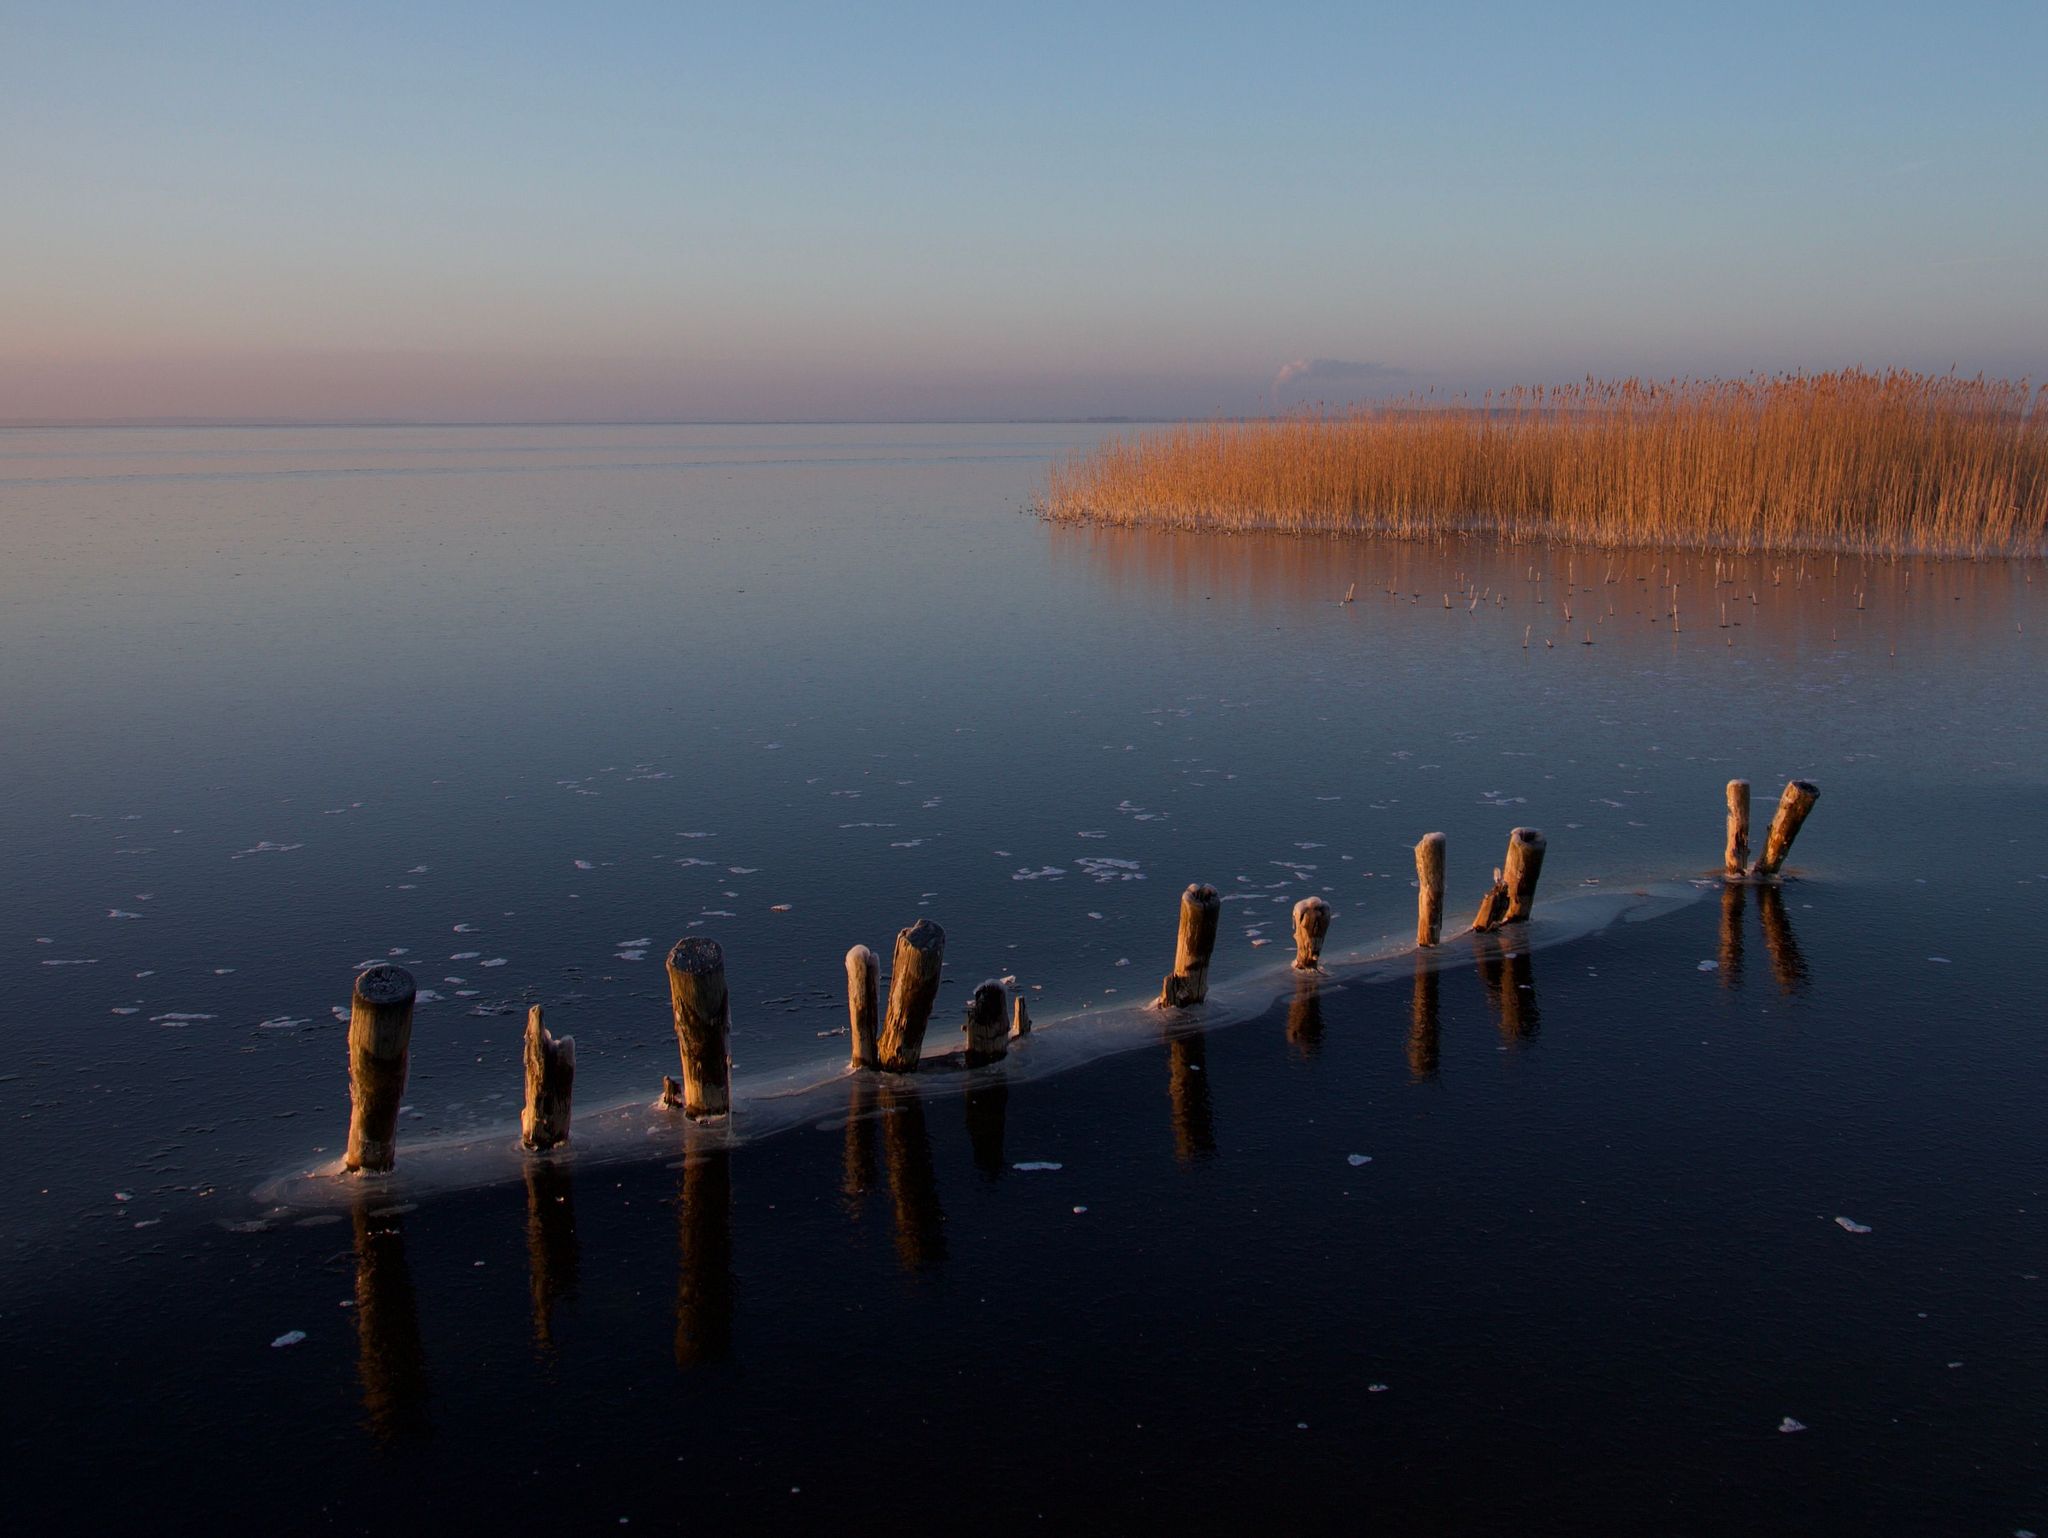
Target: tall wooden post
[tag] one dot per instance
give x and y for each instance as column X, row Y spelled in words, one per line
column 1793, row 806
column 1429, row 878
column 696, row 991
column 1188, row 983
column 550, row 1077
column 988, row 1033
column 913, row 987
column 1311, row 923
column 863, row 1011
column 1736, row 860
column 379, row 1041
column 1525, row 864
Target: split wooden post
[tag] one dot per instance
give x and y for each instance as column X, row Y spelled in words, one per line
column 379, row 1040
column 1525, row 864
column 863, row 1010
column 1493, row 907
column 550, row 1076
column 696, row 992
column 913, row 986
column 1020, row 1018
column 1793, row 806
column 1188, row 983
column 988, row 1034
column 1429, row 901
column 1736, row 860
column 1311, row 923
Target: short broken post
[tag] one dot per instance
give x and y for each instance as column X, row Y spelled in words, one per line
column 1525, row 864
column 1429, row 900
column 863, row 1010
column 550, row 1076
column 1793, row 806
column 1736, row 860
column 1311, row 923
column 913, row 986
column 379, row 1039
column 1020, row 1018
column 988, row 1033
column 1188, row 983
column 696, row 991
column 1493, row 907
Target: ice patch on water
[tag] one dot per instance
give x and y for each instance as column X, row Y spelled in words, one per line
column 1037, row 1164
column 1103, row 868
column 1044, row 872
column 1852, row 1225
column 120, row 913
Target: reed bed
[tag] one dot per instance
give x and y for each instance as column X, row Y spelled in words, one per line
column 1888, row 464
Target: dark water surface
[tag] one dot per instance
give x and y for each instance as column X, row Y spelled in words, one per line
column 277, row 703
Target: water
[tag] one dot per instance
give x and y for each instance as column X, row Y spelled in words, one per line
column 519, row 707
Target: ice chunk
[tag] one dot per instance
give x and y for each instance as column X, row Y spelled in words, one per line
column 1852, row 1225
column 289, row 1338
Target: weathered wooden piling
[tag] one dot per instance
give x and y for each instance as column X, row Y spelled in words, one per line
column 1736, row 861
column 1793, row 806
column 1429, row 900
column 1188, row 983
column 988, row 1034
column 1525, row 864
column 1311, row 923
column 1020, row 1018
column 913, row 986
column 863, row 1010
column 550, row 1076
column 379, row 1041
column 696, row 991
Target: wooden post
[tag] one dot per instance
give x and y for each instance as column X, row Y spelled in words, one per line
column 696, row 991
column 1525, row 864
column 379, row 1040
column 988, row 1037
column 550, row 1075
column 1493, row 907
column 1793, row 806
column 913, row 986
column 1429, row 877
column 1020, row 1018
column 1311, row 923
column 1188, row 983
column 1736, row 860
column 862, row 1010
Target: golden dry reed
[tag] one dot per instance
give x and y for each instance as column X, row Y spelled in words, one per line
column 1879, row 463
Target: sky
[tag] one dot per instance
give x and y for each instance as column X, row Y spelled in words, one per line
column 608, row 212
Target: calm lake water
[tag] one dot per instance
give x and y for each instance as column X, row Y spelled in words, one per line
column 519, row 707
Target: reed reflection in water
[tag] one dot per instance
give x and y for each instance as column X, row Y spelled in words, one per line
column 704, row 1282
column 391, row 1359
column 551, row 1254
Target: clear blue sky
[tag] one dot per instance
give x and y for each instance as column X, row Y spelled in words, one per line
column 505, row 211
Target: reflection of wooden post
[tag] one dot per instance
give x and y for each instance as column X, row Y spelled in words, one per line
column 1305, row 1016
column 1525, row 864
column 988, row 1034
column 704, row 1289
column 987, row 1109
column 1424, row 1022
column 1429, row 881
column 863, row 1010
column 550, row 1244
column 1311, row 923
column 379, row 1038
column 1187, row 1084
column 696, row 991
column 391, row 1361
column 1788, row 965
column 913, row 1187
column 1188, row 983
column 1793, row 806
column 1520, row 1018
column 913, row 986
column 857, row 1166
column 1730, row 953
column 1736, row 860
column 550, row 1077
